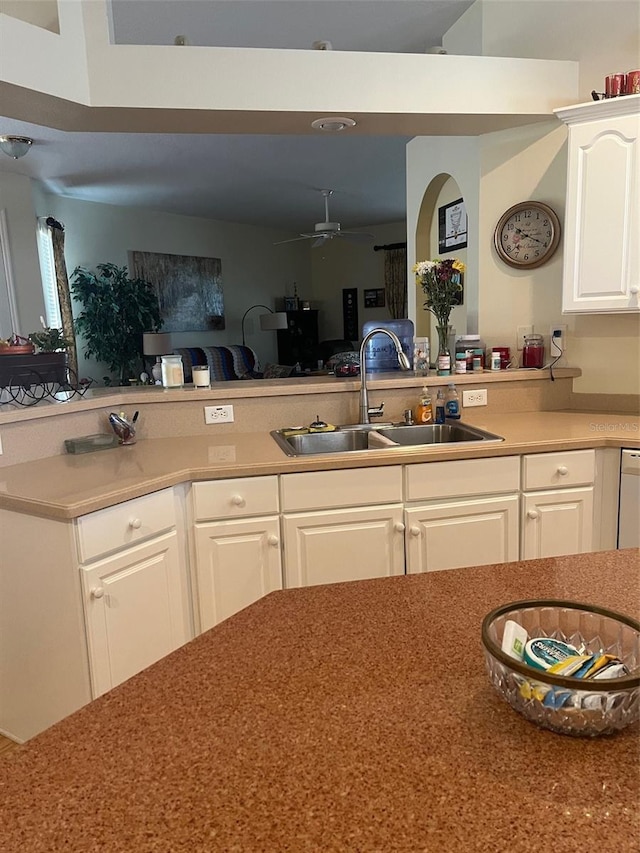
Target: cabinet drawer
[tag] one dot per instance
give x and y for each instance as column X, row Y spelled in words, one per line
column 237, row 498
column 463, row 478
column 556, row 470
column 354, row 487
column 116, row 527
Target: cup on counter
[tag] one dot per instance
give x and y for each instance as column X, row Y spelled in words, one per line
column 615, row 85
column 632, row 86
column 201, row 376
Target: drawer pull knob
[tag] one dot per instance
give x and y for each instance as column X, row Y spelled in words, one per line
column 135, row 523
column 563, row 470
column 399, row 527
column 533, row 513
column 634, row 289
column 273, row 540
column 97, row 592
column 414, row 530
column 238, row 500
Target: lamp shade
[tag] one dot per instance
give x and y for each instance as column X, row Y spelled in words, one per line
column 273, row 321
column 156, row 343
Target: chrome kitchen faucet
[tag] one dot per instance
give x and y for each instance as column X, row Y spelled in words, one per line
column 403, row 361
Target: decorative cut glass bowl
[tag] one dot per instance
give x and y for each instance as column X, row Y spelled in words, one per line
column 593, row 707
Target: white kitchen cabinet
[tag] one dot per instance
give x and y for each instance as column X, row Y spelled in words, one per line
column 85, row 604
column 557, row 503
column 601, row 271
column 337, row 545
column 457, row 533
column 237, row 562
column 237, row 549
column 135, row 588
column 462, row 513
column 342, row 525
column 134, row 610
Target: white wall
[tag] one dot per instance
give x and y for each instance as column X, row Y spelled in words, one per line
column 530, row 162
column 602, row 35
column 253, row 269
column 343, row 264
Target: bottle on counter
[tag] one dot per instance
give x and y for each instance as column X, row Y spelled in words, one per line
column 452, row 402
column 424, row 413
column 440, row 410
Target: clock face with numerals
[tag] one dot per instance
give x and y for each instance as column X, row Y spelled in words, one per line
column 527, row 235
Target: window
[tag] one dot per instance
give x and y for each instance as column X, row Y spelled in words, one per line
column 48, row 273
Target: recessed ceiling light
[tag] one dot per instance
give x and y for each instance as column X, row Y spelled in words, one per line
column 332, row 124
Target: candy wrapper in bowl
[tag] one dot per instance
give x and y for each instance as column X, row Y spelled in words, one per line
column 567, row 704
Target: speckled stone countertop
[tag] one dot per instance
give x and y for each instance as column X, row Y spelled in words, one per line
column 349, row 717
column 68, row 486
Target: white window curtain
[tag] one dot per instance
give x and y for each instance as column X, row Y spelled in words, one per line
column 48, row 274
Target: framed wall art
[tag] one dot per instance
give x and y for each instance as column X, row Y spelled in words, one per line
column 189, row 289
column 452, row 226
column 374, row 298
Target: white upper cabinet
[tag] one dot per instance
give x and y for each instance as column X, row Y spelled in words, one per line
column 602, row 220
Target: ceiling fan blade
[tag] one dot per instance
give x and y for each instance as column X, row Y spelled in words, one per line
column 320, row 241
column 295, row 239
column 356, row 236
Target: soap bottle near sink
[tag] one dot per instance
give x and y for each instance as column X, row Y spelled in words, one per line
column 424, row 412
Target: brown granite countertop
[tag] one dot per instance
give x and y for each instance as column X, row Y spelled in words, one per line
column 349, row 717
column 68, row 486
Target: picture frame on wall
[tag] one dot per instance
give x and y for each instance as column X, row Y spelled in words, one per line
column 452, row 226
column 374, row 298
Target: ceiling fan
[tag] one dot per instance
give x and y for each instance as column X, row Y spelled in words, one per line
column 327, row 230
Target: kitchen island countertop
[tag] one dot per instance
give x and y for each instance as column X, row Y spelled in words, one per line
column 348, row 717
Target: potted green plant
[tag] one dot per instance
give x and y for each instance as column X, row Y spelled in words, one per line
column 116, row 310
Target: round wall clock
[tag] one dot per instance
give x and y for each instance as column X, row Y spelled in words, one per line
column 527, row 235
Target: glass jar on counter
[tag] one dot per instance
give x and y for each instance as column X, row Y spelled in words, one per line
column 172, row 371
column 533, row 351
column 471, row 345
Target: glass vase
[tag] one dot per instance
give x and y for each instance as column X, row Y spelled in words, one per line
column 443, row 361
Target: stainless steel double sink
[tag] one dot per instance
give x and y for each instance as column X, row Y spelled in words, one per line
column 356, row 437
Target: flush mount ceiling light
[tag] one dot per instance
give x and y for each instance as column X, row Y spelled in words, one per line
column 15, row 146
column 332, row 124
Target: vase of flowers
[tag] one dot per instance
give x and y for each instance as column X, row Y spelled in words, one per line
column 442, row 285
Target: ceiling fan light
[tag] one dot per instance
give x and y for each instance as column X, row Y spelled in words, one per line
column 15, row 146
column 333, row 124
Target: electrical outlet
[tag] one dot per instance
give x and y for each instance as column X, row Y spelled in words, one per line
column 474, row 398
column 521, row 331
column 557, row 339
column 218, row 414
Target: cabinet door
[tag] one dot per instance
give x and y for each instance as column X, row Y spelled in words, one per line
column 343, row 545
column 458, row 533
column 602, row 219
column 135, row 610
column 557, row 522
column 237, row 562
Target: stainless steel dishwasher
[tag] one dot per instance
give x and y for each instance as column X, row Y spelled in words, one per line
column 629, row 515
